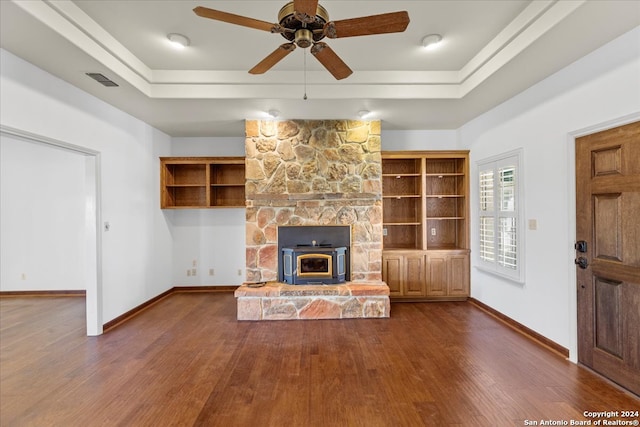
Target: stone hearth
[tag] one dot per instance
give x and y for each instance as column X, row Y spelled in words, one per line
column 278, row 301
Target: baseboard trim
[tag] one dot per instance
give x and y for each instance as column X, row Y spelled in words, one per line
column 135, row 311
column 58, row 293
column 176, row 289
column 427, row 299
column 530, row 333
column 204, row 288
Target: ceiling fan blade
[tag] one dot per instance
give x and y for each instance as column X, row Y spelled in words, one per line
column 305, row 9
column 394, row 22
column 331, row 61
column 231, row 18
column 273, row 58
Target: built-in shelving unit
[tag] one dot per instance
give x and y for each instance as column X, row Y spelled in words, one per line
column 446, row 200
column 202, row 182
column 402, row 201
column 426, row 223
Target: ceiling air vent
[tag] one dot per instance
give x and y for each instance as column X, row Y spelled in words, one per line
column 102, row 79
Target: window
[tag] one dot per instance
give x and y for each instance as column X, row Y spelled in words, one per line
column 500, row 223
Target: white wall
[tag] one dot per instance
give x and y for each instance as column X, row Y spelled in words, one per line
column 42, row 195
column 599, row 89
column 210, row 238
column 137, row 251
column 400, row 140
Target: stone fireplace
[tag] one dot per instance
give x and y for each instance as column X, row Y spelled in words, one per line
column 314, row 174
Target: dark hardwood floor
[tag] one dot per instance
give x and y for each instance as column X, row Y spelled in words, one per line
column 186, row 361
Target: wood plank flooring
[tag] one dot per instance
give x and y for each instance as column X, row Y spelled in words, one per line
column 186, row 361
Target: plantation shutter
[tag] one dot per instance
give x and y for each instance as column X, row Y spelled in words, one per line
column 500, row 247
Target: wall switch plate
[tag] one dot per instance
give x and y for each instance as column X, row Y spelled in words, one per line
column 533, row 224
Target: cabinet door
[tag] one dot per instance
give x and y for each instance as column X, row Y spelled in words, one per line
column 458, row 275
column 392, row 274
column 415, row 275
column 437, row 282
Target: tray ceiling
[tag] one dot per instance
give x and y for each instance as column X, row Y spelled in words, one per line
column 491, row 51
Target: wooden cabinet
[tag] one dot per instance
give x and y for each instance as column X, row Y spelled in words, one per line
column 426, row 216
column 404, row 273
column 448, row 274
column 202, row 182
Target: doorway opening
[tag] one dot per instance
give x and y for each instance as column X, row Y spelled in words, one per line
column 91, row 242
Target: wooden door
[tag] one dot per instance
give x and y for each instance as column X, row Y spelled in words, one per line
column 458, row 275
column 392, row 273
column 608, row 221
column 414, row 268
column 437, row 277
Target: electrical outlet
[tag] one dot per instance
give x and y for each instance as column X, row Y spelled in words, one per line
column 23, row 276
column 384, row 231
column 433, row 231
column 194, row 263
column 239, row 272
column 211, row 272
column 189, row 272
column 193, row 272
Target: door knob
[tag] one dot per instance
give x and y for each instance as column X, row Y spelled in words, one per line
column 581, row 246
column 581, row 262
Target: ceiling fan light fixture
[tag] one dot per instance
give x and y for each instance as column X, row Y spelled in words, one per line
column 303, row 38
column 178, row 40
column 431, row 41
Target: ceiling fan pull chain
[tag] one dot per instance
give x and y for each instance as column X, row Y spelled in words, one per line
column 305, row 75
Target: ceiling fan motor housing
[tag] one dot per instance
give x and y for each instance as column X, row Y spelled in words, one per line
column 303, row 33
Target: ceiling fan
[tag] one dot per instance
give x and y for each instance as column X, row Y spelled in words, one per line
column 305, row 23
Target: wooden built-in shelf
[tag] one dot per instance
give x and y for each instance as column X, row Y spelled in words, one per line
column 429, row 191
column 425, row 211
column 202, row 182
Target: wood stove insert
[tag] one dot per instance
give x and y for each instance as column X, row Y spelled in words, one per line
column 314, row 265
column 313, row 255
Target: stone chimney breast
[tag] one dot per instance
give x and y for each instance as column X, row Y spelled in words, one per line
column 319, row 172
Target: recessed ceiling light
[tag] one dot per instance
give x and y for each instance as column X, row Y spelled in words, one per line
column 363, row 114
column 178, row 40
column 273, row 113
column 431, row 41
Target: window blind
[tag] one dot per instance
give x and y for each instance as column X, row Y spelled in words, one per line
column 500, row 246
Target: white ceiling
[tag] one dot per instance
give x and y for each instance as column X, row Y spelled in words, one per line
column 492, row 50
